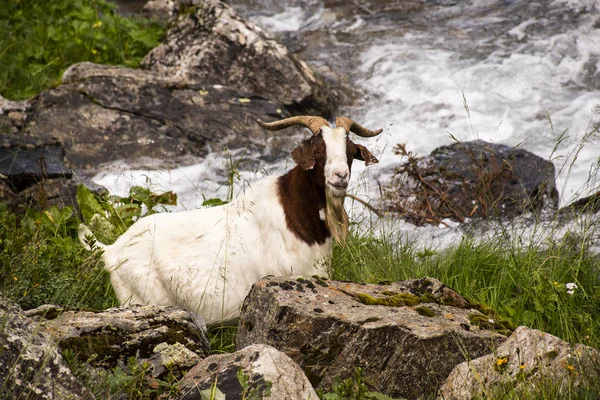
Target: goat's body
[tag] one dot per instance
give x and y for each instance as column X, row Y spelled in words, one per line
column 206, row 260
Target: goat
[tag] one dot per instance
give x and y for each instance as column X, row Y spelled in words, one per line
column 206, row 260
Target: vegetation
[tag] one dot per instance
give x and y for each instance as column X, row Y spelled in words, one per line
column 42, row 262
column 40, row 39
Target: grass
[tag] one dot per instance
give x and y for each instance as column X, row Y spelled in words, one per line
column 42, row 262
column 40, row 39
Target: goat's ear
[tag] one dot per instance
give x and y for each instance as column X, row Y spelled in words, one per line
column 365, row 155
column 303, row 156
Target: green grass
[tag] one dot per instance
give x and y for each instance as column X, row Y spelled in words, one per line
column 42, row 262
column 40, row 39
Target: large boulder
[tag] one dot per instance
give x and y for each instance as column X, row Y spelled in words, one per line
column 103, row 114
column 171, row 340
column 472, row 179
column 30, row 365
column 407, row 336
column 211, row 44
column 529, row 359
column 255, row 372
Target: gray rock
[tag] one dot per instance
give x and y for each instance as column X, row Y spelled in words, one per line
column 164, row 10
column 26, row 160
column 474, row 179
column 408, row 336
column 30, row 365
column 255, row 372
column 103, row 114
column 528, row 359
column 106, row 339
column 211, row 44
column 586, row 205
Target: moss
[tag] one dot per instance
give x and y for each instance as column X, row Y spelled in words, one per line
column 425, row 311
column 429, row 298
column 503, row 325
column 485, row 322
column 389, row 293
column 551, row 354
column 320, row 281
column 397, row 300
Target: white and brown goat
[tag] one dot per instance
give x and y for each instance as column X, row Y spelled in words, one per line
column 206, row 260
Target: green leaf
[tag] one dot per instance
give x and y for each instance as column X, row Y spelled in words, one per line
column 213, row 202
column 88, row 203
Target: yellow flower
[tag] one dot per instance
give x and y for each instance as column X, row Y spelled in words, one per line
column 97, row 24
column 15, row 278
column 570, row 367
column 556, row 283
column 501, row 361
column 522, row 366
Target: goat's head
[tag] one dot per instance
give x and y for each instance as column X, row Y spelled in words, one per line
column 329, row 153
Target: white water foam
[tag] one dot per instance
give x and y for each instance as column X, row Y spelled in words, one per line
column 431, row 94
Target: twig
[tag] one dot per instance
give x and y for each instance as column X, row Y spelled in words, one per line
column 364, row 203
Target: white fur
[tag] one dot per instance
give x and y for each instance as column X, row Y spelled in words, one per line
column 206, row 260
column 337, row 173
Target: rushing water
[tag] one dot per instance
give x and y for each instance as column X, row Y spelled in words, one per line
column 518, row 72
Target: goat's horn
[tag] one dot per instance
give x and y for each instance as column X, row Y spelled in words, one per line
column 352, row 126
column 312, row 123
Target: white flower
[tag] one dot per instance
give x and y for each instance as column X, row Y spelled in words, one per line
column 491, row 321
column 571, row 286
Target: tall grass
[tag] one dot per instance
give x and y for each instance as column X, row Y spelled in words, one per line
column 40, row 39
column 42, row 262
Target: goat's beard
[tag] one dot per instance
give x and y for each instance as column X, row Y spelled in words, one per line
column 336, row 217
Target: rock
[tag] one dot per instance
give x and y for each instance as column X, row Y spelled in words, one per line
column 103, row 114
column 12, row 115
column 528, row 359
column 30, row 365
column 170, row 339
column 255, row 372
column 588, row 205
column 473, row 179
column 163, row 10
column 211, row 44
column 7, row 195
column 26, row 160
column 408, row 336
column 60, row 192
